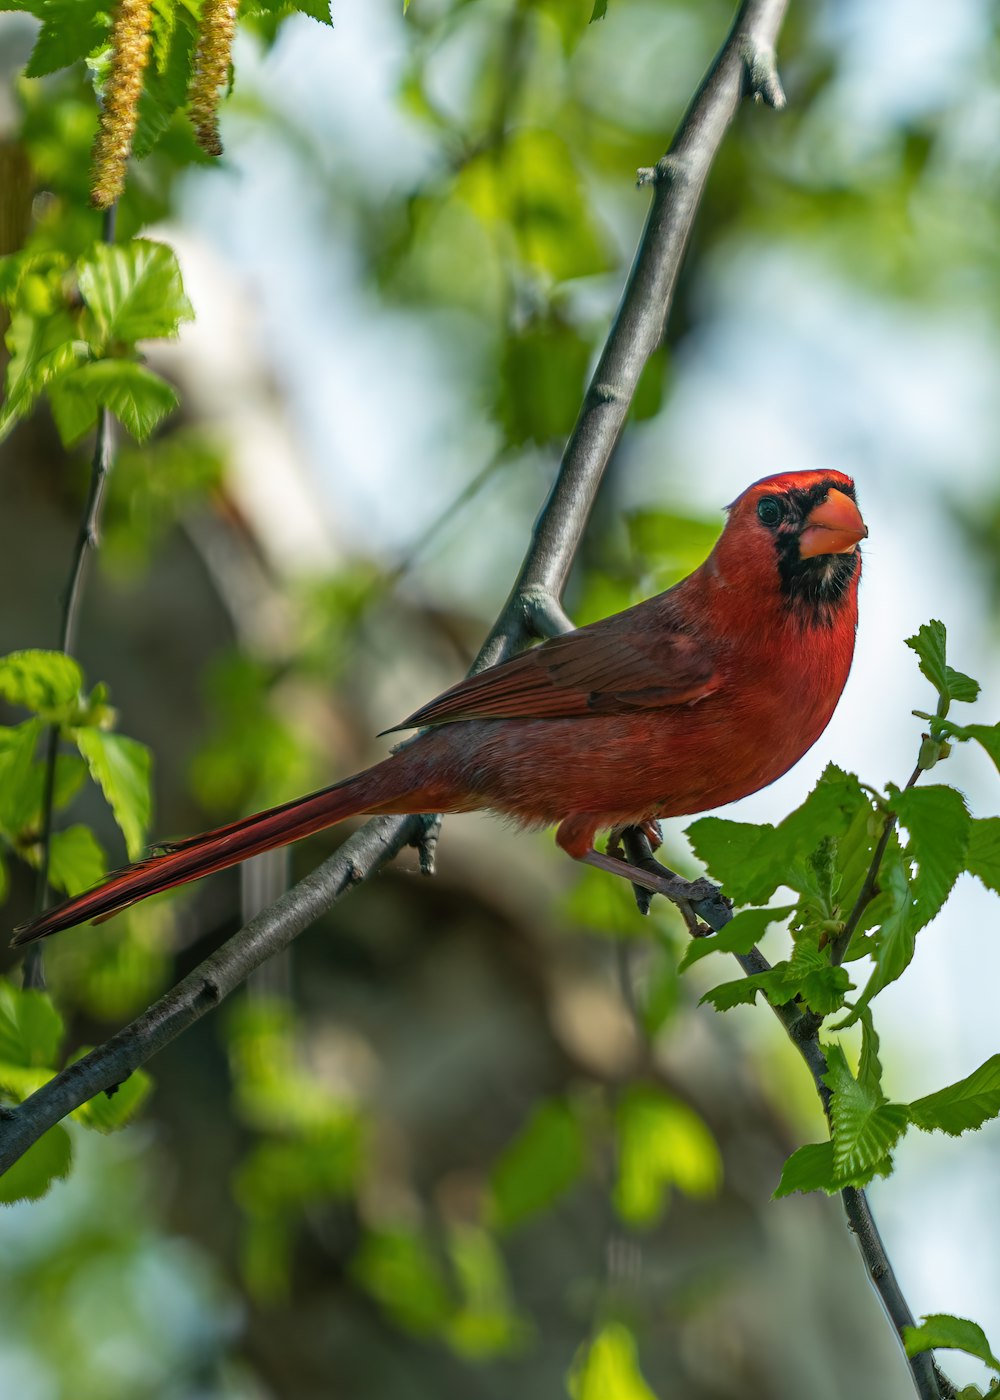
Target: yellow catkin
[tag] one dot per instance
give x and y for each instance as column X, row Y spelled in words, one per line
column 130, row 39
column 211, row 69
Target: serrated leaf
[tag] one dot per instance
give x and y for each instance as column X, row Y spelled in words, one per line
column 961, row 687
column 47, row 1160
column 810, row 1168
column 121, row 767
column 742, row 991
column 608, row 1368
column 751, row 861
column 71, row 29
column 869, row 1065
column 955, row 1333
column 966, row 1104
column 811, row 976
column 137, row 397
column 982, row 855
column 661, row 1143
column 135, row 290
column 315, row 9
column 48, row 682
column 76, row 860
column 31, row 1029
column 929, row 643
column 41, row 347
column 544, row 1160
column 106, row 1113
column 742, row 933
column 896, row 940
column 17, row 774
column 865, row 1128
column 938, row 822
column 988, row 735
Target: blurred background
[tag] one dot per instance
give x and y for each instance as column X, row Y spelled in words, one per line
column 431, row 1152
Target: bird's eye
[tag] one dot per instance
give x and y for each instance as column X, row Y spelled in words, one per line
column 770, row 511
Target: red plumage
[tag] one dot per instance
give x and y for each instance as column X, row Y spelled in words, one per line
column 689, row 700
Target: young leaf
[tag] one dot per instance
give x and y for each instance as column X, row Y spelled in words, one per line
column 121, row 768
column 135, row 291
column 71, row 29
column 18, row 772
column 896, row 938
column 608, row 1368
column 45, row 1161
column 965, row 1104
column 869, row 1066
column 543, row 1161
column 76, row 860
column 742, row 932
column 865, row 1128
column 811, row 976
column 31, row 1028
column 930, row 642
column 48, row 682
column 742, row 991
column 982, row 855
column 137, row 397
column 662, row 1143
column 752, row 861
column 955, row 1333
column 938, row 822
column 810, row 1168
column 41, row 345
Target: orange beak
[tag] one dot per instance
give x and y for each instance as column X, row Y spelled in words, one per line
column 833, row 527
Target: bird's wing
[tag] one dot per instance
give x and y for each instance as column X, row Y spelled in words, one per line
column 608, row 668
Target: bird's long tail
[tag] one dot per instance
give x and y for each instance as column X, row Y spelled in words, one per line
column 390, row 786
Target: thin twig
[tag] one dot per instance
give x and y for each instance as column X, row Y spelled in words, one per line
column 802, row 1029
column 33, row 972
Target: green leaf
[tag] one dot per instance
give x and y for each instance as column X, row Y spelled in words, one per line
column 48, row 682
column 811, row 976
column 661, row 1143
column 137, row 397
column 31, row 1028
column 742, row 991
column 896, row 938
column 809, row 1169
column 167, row 79
column 106, row 1113
column 751, row 861
column 742, row 933
column 121, row 768
column 938, row 822
column 543, row 371
column 71, row 29
column 869, row 1066
column 315, row 9
column 961, row 687
column 134, row 290
column 955, row 1333
column 18, row 785
column 929, row 643
column 45, row 1161
column 608, row 1368
column 963, row 1105
column 865, row 1127
column 599, row 11
column 543, row 1162
column 76, row 860
column 988, row 735
column 400, row 1272
column 982, row 856
column 42, row 345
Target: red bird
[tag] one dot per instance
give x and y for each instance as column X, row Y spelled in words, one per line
column 686, row 701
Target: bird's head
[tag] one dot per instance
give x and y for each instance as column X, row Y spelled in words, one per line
column 801, row 531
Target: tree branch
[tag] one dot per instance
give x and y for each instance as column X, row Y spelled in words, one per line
column 33, row 973
column 802, row 1029
column 742, row 65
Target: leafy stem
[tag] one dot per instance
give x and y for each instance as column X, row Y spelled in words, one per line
column 33, row 972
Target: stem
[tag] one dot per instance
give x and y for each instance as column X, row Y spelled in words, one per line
column 33, row 972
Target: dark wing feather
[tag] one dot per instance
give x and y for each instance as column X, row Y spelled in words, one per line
column 611, row 667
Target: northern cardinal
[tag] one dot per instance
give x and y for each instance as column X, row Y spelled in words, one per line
column 686, row 701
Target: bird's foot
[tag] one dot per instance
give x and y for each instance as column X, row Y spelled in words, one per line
column 696, row 899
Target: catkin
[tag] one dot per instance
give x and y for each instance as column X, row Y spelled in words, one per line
column 211, row 69
column 130, row 39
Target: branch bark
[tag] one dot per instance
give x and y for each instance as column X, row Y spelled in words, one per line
column 744, row 65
